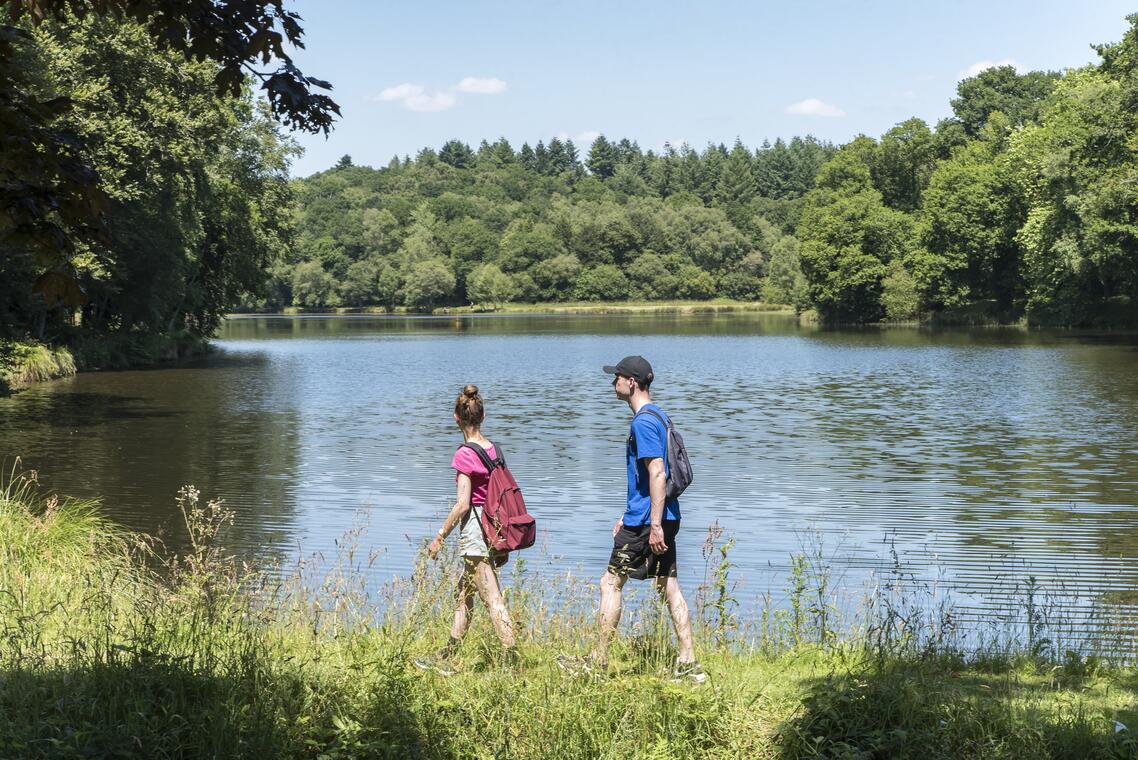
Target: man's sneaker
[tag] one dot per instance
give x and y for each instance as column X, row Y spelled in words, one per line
column 688, row 671
column 440, row 662
column 581, row 666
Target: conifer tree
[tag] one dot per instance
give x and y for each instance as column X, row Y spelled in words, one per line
column 602, row 159
column 527, row 157
column 541, row 159
column 558, row 161
column 690, row 174
column 736, row 184
column 713, row 159
column 457, row 154
column 504, row 152
column 573, row 159
column 774, row 171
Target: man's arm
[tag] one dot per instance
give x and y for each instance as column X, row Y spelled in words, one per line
column 656, row 486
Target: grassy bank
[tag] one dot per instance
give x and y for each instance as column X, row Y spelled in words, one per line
column 25, row 363
column 570, row 307
column 22, row 364
column 112, row 648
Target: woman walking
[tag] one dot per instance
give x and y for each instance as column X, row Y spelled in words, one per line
column 478, row 561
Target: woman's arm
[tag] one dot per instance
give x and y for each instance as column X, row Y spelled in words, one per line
column 454, row 517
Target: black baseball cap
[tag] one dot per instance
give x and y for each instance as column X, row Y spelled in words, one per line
column 636, row 367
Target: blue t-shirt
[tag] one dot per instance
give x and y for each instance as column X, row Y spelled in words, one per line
column 648, row 439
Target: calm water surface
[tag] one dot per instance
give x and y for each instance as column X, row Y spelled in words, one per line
column 977, row 456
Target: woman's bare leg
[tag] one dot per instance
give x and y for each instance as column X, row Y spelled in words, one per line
column 486, row 581
column 464, row 596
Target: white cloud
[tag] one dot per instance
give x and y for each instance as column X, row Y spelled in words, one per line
column 439, row 101
column 814, row 107
column 979, row 66
column 416, row 97
column 400, row 92
column 581, row 138
column 480, row 86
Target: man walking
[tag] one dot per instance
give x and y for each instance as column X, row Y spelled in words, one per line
column 644, row 538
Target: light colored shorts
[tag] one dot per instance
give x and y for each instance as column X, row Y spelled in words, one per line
column 471, row 542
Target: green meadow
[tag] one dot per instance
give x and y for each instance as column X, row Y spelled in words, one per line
column 112, row 646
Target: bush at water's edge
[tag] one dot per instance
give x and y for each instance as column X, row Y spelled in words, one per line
column 26, row 363
column 22, row 364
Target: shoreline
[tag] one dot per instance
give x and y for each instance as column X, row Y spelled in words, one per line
column 247, row 667
column 676, row 307
column 27, row 363
column 547, row 307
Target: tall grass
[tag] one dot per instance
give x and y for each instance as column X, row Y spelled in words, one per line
column 113, row 647
column 26, row 363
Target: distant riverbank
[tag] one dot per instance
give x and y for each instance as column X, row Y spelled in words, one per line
column 564, row 307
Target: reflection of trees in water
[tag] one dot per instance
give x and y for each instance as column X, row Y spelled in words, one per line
column 132, row 439
column 314, row 326
column 77, row 410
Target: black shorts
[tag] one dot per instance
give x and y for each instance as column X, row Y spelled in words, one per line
column 633, row 558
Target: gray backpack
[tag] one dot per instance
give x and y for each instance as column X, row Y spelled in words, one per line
column 676, row 459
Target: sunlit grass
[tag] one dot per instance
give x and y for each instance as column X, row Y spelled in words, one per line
column 575, row 307
column 26, row 363
column 111, row 647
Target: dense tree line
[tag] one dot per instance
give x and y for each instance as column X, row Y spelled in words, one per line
column 544, row 223
column 1032, row 211
column 1023, row 203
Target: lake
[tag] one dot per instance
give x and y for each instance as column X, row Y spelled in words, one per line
column 976, row 458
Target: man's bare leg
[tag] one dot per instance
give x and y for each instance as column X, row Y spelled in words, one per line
column 611, row 599
column 669, row 589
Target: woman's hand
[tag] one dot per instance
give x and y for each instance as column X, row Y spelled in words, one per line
column 616, row 528
column 435, row 546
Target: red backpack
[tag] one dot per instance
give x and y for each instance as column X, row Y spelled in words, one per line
column 506, row 525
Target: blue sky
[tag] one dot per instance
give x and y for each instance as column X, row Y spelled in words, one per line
column 412, row 75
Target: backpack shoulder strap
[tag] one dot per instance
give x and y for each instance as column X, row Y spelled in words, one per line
column 655, row 414
column 487, row 462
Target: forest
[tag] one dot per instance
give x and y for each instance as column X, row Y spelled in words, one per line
column 144, row 187
column 1020, row 207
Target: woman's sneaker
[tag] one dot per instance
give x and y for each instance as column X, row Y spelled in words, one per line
column 440, row 662
column 688, row 671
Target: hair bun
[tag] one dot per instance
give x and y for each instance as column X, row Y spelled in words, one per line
column 470, row 391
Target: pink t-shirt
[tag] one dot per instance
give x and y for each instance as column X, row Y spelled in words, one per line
column 467, row 462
